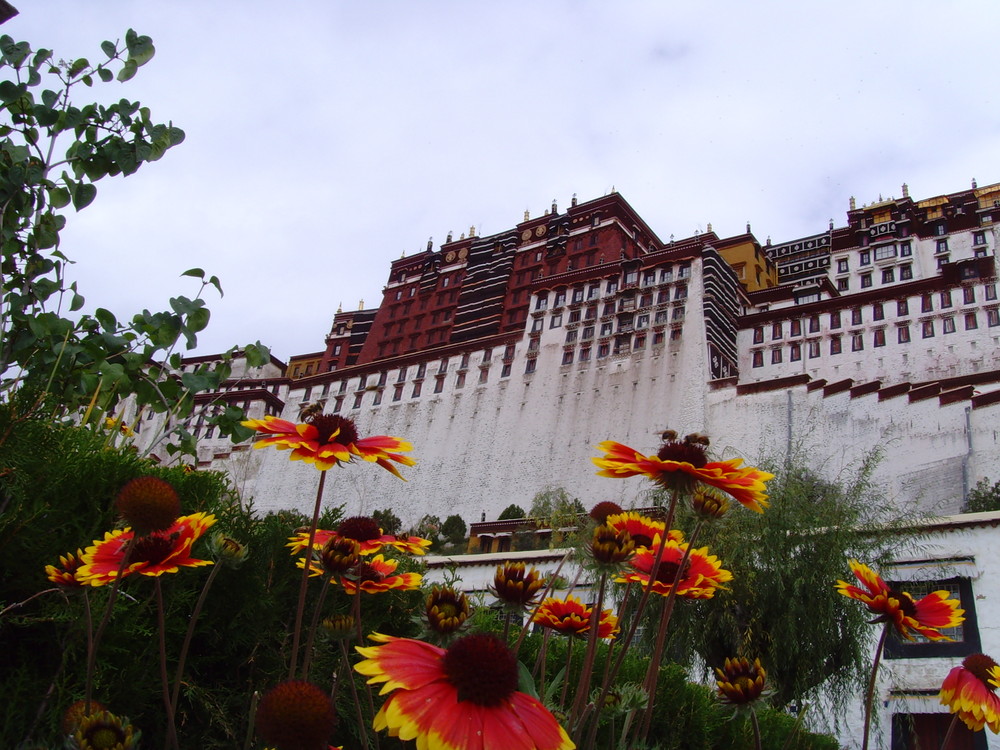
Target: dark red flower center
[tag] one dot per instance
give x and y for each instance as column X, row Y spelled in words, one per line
column 148, row 504
column 667, row 572
column 683, row 452
column 154, row 548
column 602, row 510
column 104, row 736
column 482, row 669
column 642, row 540
column 980, row 665
column 360, row 528
column 906, row 604
column 332, row 427
column 296, row 716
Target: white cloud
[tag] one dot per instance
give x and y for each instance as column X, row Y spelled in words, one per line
column 324, row 140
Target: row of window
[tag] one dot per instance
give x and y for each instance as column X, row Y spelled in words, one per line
column 927, row 329
column 945, row 300
column 888, row 276
column 443, row 282
column 627, row 324
column 593, row 292
column 621, row 345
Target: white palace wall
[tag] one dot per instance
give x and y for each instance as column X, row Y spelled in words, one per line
column 484, row 446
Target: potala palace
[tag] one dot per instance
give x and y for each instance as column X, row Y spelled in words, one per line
column 504, row 359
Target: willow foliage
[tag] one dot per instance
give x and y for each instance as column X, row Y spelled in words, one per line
column 782, row 605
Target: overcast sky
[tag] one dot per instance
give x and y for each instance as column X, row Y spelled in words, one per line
column 325, row 139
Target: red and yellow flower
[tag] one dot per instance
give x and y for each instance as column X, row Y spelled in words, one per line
column 366, row 532
column 517, row 585
column 378, row 575
column 969, row 691
column 462, row 698
column 161, row 552
column 571, row 616
column 447, row 610
column 702, row 574
column 681, row 464
column 740, row 681
column 645, row 531
column 926, row 616
column 329, row 440
column 65, row 575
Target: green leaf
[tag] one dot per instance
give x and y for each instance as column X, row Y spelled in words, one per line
column 524, row 681
column 76, row 302
column 257, row 354
column 198, row 320
column 184, row 306
column 196, row 272
column 78, row 67
column 140, row 48
column 40, row 57
column 59, row 197
column 106, row 75
column 214, row 281
column 197, row 382
column 109, row 49
column 128, row 71
column 106, row 318
column 49, row 98
column 83, row 195
column 10, row 91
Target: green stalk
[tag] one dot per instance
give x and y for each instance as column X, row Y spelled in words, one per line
column 870, row 693
column 640, row 609
column 93, row 644
column 171, row 739
column 304, row 581
column 179, row 674
column 951, row 731
column 313, row 625
column 587, row 671
column 653, row 670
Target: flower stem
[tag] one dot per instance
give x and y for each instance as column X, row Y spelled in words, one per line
column 254, row 700
column 368, row 688
column 653, row 671
column 640, row 609
column 182, row 658
column 951, row 731
column 587, row 671
column 756, row 728
column 304, row 581
column 870, row 694
column 95, row 642
column 311, row 637
column 362, row 727
column 566, row 674
column 171, row 739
